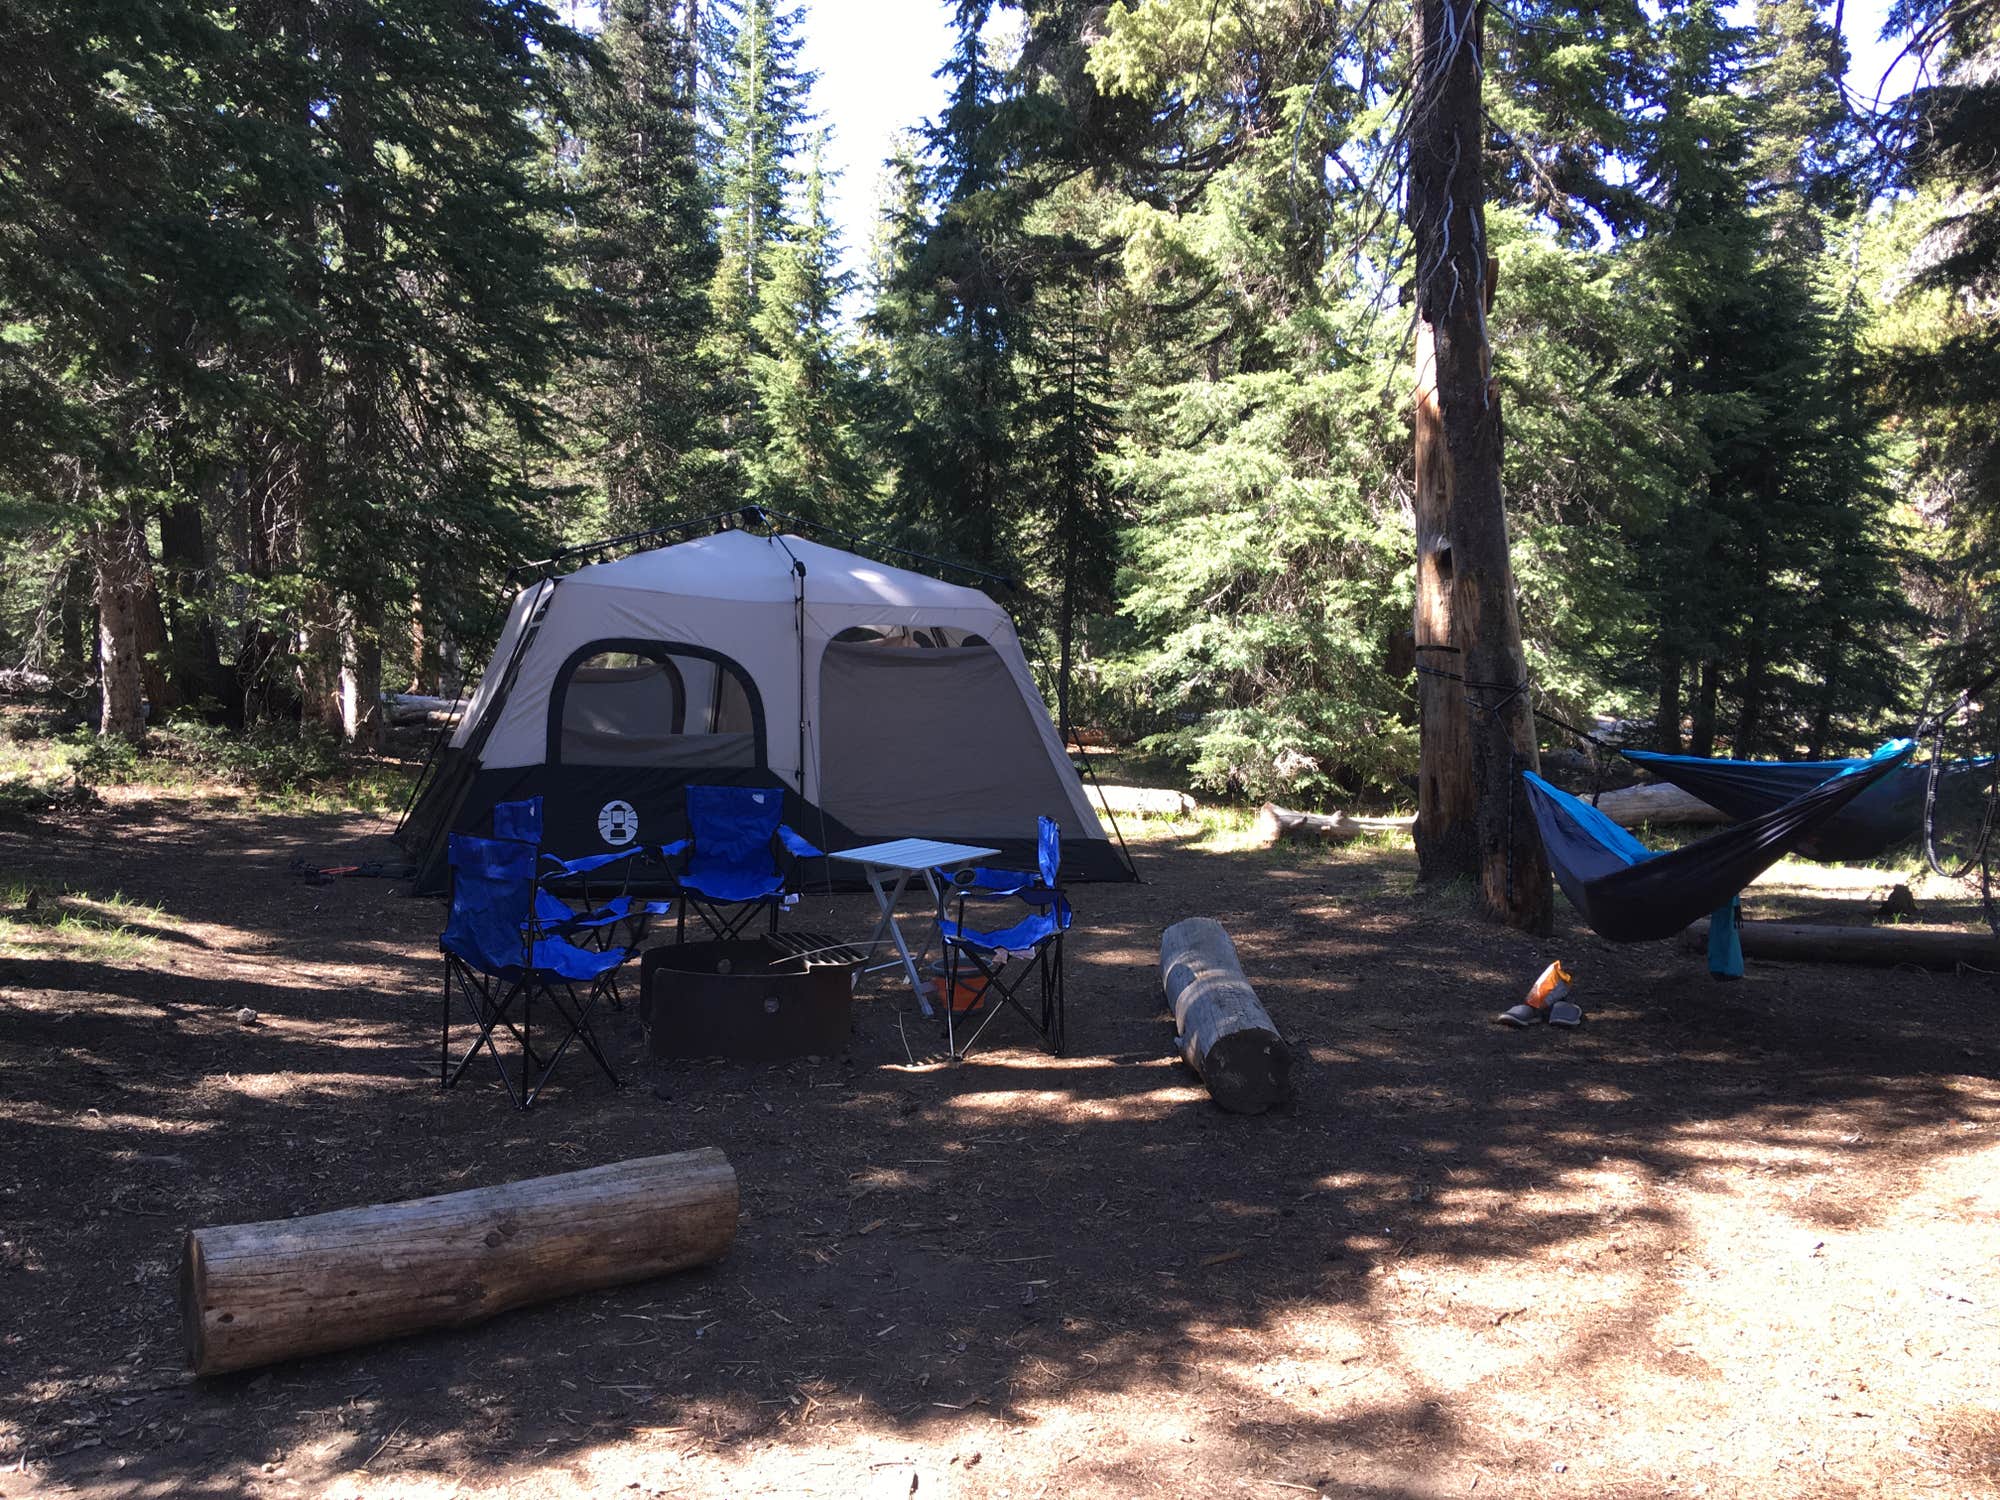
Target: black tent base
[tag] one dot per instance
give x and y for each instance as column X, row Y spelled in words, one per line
column 596, row 809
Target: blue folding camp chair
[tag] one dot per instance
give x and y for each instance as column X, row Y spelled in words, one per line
column 500, row 956
column 596, row 925
column 1008, row 960
column 734, row 837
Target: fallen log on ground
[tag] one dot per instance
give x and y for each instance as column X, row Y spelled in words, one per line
column 1656, row 802
column 416, row 708
column 254, row 1293
column 1222, row 1031
column 1146, row 801
column 1801, row 942
column 1274, row 824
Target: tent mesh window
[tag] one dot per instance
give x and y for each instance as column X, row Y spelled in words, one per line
column 938, row 738
column 908, row 637
column 655, row 708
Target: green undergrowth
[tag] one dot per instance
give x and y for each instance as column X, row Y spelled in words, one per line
column 269, row 768
column 1217, row 829
column 40, row 922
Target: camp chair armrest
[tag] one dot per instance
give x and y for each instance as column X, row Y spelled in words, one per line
column 679, row 846
column 985, row 883
column 589, row 862
column 797, row 846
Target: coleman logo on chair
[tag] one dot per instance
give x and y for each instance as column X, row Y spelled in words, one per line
column 617, row 823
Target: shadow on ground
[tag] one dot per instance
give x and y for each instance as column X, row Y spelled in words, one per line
column 1081, row 1250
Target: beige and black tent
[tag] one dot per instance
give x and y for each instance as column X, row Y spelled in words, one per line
column 884, row 703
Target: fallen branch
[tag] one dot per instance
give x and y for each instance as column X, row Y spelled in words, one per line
column 1274, row 824
column 1801, row 942
column 1657, row 802
column 419, row 708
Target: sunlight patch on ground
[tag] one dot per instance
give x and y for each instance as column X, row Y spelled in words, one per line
column 1881, row 1321
column 108, row 1123
column 69, row 924
column 290, row 1085
column 996, row 1108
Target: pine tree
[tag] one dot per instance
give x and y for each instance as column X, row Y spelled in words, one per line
column 949, row 317
column 652, row 404
column 1266, row 566
column 1780, row 495
column 1069, row 427
column 122, row 269
column 762, row 115
column 442, row 318
column 809, row 462
column 1943, row 363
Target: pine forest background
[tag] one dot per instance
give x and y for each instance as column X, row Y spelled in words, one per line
column 318, row 315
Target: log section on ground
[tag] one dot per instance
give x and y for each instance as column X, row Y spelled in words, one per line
column 1223, row 1032
column 1275, row 824
column 253, row 1293
column 420, row 708
column 1657, row 802
column 1886, row 946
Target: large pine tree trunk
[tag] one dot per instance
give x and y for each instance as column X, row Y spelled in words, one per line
column 361, row 722
column 155, row 653
column 118, row 559
column 420, row 664
column 1667, row 716
column 1477, row 735
column 1829, row 694
column 318, row 655
column 76, row 655
column 1447, row 833
column 1701, row 721
column 195, row 658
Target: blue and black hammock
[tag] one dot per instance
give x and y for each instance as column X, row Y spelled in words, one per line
column 1889, row 813
column 1631, row 894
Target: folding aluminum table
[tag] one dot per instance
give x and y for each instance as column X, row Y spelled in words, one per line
column 898, row 860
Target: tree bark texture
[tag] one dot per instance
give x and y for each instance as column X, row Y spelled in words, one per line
column 118, row 561
column 155, row 652
column 254, row 1293
column 194, row 656
column 1667, row 719
column 1225, row 1034
column 361, row 717
column 1476, row 735
column 317, row 652
column 1883, row 947
column 75, row 650
column 1701, row 718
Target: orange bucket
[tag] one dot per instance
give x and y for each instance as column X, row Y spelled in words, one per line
column 968, row 995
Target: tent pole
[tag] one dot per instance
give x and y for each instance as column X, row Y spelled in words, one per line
column 799, row 623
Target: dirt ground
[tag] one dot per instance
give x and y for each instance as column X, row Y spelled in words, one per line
column 1726, row 1240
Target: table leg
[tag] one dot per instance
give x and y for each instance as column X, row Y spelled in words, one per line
column 888, row 900
column 935, row 933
